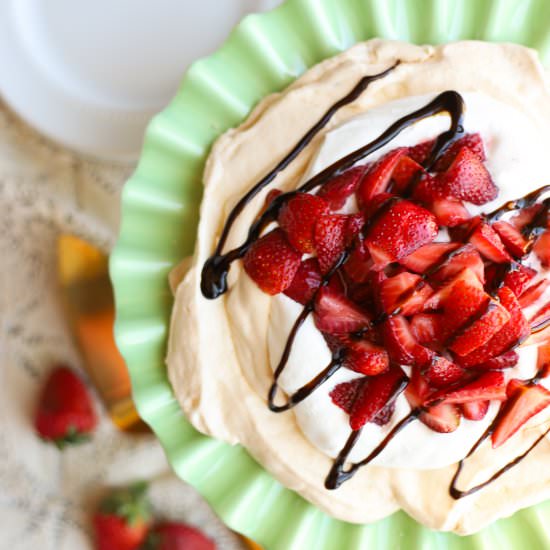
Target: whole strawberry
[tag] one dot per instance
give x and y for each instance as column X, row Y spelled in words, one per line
column 123, row 519
column 271, row 262
column 171, row 535
column 65, row 413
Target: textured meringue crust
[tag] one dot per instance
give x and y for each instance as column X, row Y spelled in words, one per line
column 221, row 352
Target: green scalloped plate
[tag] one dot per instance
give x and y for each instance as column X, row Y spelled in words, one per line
column 159, row 216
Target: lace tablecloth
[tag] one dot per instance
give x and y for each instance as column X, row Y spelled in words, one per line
column 46, row 497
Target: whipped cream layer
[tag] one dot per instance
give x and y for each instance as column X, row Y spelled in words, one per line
column 516, row 160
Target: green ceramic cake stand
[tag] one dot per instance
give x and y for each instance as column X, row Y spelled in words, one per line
column 160, row 206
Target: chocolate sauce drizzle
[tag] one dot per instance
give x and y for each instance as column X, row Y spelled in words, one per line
column 457, row 493
column 214, row 272
column 216, row 268
column 545, row 323
column 518, row 204
column 338, row 474
column 333, row 366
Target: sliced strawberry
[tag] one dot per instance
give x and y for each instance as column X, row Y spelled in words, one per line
column 419, row 153
column 512, row 239
column 335, row 314
column 488, row 386
column 354, row 224
column 378, row 205
column 400, row 343
column 543, row 358
column 404, row 173
column 441, row 372
column 367, row 293
column 365, row 357
column 443, row 418
column 513, row 385
column 434, row 192
column 525, row 402
column 378, row 177
column 330, row 240
column 427, row 256
column 449, row 212
column 518, row 280
column 404, row 293
column 471, row 141
column 487, row 241
column 504, row 361
column 271, row 262
column 533, row 293
column 306, row 281
column 461, row 233
column 542, row 249
column 467, row 179
column 399, row 231
column 427, row 328
column 525, row 216
column 463, row 302
column 337, row 190
column 465, row 256
column 375, row 394
column 331, row 236
column 337, row 283
column 466, row 276
column 481, row 330
column 363, row 293
column 512, row 334
column 384, row 416
column 298, row 217
column 359, row 264
column 379, row 257
column 428, row 190
column 475, row 410
column 343, row 395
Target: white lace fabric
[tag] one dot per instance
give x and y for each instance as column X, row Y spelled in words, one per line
column 47, row 497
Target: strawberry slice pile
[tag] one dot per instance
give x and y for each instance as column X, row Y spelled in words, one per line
column 387, row 293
